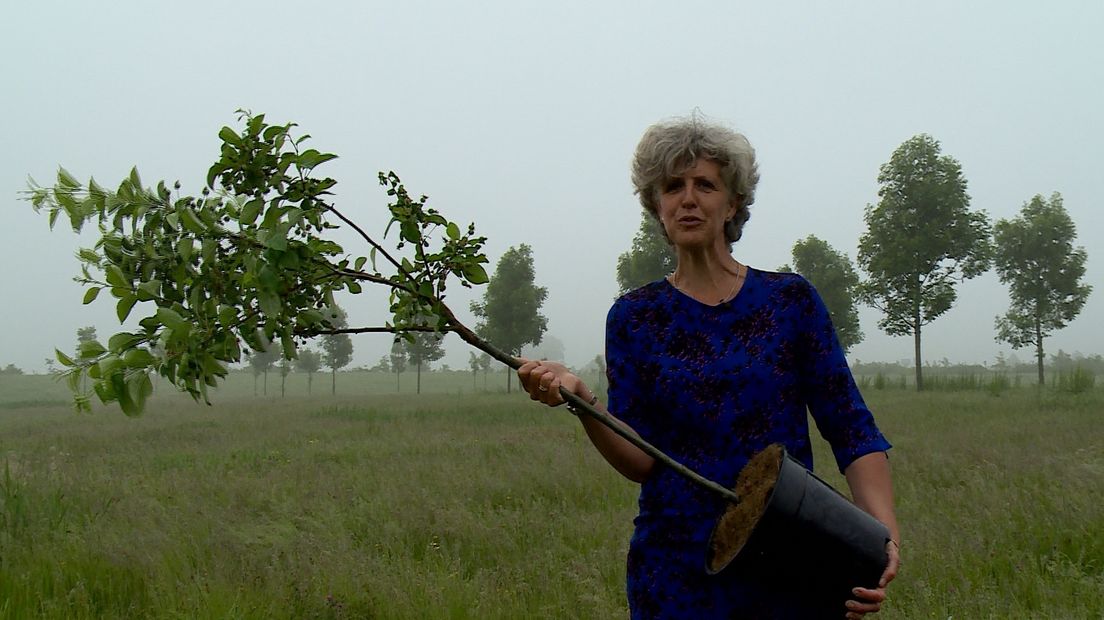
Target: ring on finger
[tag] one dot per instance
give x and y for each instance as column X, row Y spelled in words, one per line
column 542, row 388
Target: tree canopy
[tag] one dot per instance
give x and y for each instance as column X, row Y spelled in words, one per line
column 837, row 283
column 921, row 240
column 423, row 348
column 246, row 263
column 337, row 349
column 310, row 362
column 1036, row 258
column 510, row 309
column 650, row 258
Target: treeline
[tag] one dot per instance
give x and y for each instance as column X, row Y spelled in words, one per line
column 246, row 265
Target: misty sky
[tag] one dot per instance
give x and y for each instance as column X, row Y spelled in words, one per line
column 522, row 117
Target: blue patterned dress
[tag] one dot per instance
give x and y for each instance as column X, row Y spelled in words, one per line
column 711, row 386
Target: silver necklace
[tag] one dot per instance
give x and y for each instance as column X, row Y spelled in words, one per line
column 740, row 274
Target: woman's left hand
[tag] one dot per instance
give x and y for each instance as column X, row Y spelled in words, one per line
column 542, row 379
column 869, row 601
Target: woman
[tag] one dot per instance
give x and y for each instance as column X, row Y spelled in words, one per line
column 711, row 364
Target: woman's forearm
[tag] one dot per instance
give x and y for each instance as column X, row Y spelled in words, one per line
column 629, row 460
column 872, row 489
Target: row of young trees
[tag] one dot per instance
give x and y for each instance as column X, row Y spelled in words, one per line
column 921, row 240
column 248, row 264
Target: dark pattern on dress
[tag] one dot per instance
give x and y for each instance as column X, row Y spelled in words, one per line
column 711, row 386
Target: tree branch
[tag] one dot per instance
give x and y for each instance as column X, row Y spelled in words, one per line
column 370, row 241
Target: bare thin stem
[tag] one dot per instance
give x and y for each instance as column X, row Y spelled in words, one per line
column 371, row 242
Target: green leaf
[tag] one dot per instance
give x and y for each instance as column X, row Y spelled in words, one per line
column 213, row 173
column 354, row 287
column 227, row 315
column 452, row 230
column 358, row 265
column 288, row 344
column 67, row 180
column 269, row 302
column 251, row 210
column 191, row 221
column 268, row 279
column 229, row 135
column 116, row 278
column 121, row 341
column 139, row 358
column 475, row 274
column 91, row 294
column 170, row 318
column 64, row 359
column 122, row 309
column 135, row 180
column 90, row 348
column 104, row 391
column 149, row 290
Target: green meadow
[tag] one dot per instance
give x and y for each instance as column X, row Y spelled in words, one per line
column 466, row 502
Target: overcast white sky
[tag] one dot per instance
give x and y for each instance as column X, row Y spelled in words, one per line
column 522, row 116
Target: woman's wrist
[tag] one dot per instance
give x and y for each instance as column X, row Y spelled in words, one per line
column 591, row 400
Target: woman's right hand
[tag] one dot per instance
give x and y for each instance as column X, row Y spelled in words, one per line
column 543, row 379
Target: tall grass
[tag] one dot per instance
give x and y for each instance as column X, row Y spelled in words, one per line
column 487, row 506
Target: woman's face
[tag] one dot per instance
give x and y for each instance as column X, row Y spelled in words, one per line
column 695, row 205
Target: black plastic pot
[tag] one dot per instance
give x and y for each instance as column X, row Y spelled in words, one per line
column 809, row 534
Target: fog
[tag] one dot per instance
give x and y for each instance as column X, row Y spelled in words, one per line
column 522, row 116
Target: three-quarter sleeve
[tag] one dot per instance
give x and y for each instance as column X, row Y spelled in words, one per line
column 833, row 398
column 625, row 396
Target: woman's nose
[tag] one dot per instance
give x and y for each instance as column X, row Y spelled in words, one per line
column 688, row 198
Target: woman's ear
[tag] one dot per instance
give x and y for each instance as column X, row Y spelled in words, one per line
column 733, row 207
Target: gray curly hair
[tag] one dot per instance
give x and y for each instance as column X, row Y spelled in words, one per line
column 669, row 147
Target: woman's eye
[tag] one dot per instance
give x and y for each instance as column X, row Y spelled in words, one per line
column 673, row 185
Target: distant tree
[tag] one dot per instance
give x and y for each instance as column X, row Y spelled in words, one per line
column 85, row 334
column 473, row 363
column 398, row 361
column 11, row 369
column 86, row 341
column 600, row 363
column 261, row 362
column 510, row 310
column 650, row 258
column 50, row 367
column 337, row 349
column 834, row 277
column 285, row 366
column 485, row 366
column 308, row 361
column 921, row 239
column 1044, row 272
column 423, row 348
column 550, row 348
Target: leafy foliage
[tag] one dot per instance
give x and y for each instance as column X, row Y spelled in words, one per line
column 650, row 258
column 1036, row 258
column 921, row 240
column 244, row 264
column 834, row 277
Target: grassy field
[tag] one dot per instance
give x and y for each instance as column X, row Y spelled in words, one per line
column 464, row 504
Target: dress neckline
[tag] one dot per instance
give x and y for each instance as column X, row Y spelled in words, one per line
column 750, row 271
